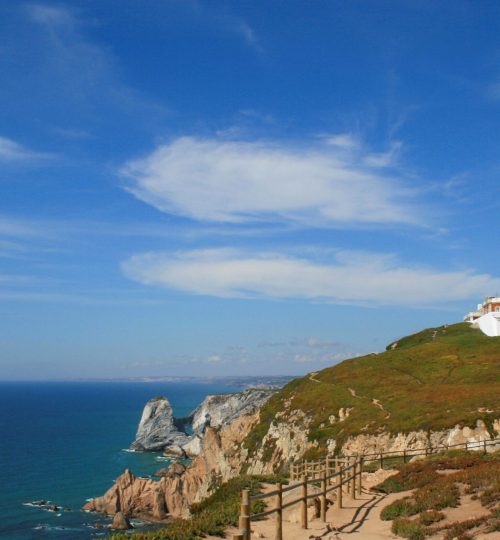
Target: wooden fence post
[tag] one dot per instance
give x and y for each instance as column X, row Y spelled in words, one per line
column 244, row 522
column 381, row 461
column 360, row 486
column 279, row 513
column 484, row 446
column 238, row 537
column 338, row 467
column 304, row 503
column 353, row 478
column 404, row 455
column 323, row 498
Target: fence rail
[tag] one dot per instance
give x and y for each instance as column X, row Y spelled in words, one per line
column 342, row 474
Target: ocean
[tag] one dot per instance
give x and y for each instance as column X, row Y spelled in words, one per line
column 65, row 442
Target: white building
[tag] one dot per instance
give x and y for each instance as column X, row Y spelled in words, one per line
column 487, row 316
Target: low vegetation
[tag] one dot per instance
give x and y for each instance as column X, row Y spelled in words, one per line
column 211, row 516
column 438, row 484
column 450, row 372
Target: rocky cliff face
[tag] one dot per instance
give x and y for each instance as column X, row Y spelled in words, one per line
column 218, row 410
column 157, row 429
column 223, row 456
column 220, row 459
column 288, row 440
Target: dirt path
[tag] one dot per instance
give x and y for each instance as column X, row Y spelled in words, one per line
column 358, row 519
column 312, row 377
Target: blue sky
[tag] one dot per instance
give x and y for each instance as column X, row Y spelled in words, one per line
column 211, row 188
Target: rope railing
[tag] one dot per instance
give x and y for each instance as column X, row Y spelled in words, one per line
column 322, row 474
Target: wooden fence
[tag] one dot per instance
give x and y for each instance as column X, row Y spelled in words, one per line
column 332, row 473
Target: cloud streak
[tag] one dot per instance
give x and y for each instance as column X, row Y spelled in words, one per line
column 240, row 182
column 12, row 151
column 353, row 278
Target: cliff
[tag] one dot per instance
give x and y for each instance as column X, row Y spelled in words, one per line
column 440, row 386
column 218, row 410
column 220, row 459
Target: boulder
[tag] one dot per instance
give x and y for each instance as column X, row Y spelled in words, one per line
column 175, row 469
column 193, row 447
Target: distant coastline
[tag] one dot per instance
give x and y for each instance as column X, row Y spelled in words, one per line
column 244, row 381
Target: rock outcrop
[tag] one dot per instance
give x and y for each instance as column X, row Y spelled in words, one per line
column 157, row 430
column 387, row 442
column 220, row 459
column 218, row 410
column 121, row 522
column 133, row 497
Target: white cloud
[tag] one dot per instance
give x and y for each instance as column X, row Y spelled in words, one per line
column 371, row 279
column 224, row 181
column 11, row 151
column 343, row 140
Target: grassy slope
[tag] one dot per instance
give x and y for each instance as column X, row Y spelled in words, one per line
column 430, row 380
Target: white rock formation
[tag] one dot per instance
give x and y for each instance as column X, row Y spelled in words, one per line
column 157, row 430
column 219, row 410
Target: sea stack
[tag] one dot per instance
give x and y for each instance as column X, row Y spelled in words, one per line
column 157, row 429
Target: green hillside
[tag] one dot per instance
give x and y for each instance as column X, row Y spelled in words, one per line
column 430, row 380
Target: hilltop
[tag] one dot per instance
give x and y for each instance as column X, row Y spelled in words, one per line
column 429, row 381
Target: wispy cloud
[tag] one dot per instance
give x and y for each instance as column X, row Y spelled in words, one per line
column 239, row 182
column 50, row 15
column 80, row 71
column 355, row 278
column 248, row 34
column 12, row 151
column 19, row 228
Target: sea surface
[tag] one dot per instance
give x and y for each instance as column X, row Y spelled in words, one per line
column 65, row 442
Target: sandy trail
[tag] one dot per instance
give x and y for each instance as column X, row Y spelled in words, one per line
column 359, row 519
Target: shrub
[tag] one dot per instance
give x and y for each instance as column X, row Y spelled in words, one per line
column 407, row 528
column 400, row 508
column 430, row 516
